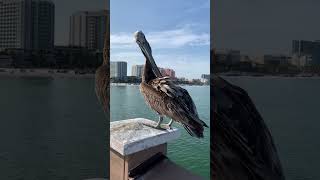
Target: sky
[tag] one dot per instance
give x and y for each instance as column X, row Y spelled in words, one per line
column 177, row 30
column 264, row 26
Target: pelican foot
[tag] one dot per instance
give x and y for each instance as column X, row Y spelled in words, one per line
column 166, row 126
column 161, row 126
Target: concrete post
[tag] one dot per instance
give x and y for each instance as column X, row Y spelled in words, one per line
column 132, row 142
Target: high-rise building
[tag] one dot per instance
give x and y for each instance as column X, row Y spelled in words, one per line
column 118, row 69
column 27, row 24
column 88, row 29
column 168, row 72
column 302, row 47
column 273, row 59
column 137, row 70
column 205, row 78
column 309, row 49
column 227, row 56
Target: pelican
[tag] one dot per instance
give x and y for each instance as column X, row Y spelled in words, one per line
column 242, row 147
column 166, row 98
column 102, row 87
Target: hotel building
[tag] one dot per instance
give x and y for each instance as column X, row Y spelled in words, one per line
column 137, row 70
column 88, row 29
column 118, row 69
column 27, row 24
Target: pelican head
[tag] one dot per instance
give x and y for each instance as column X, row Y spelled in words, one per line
column 146, row 50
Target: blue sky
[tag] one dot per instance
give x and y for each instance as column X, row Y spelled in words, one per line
column 178, row 31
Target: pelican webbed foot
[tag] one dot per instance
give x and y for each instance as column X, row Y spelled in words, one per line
column 158, row 126
column 161, row 126
column 167, row 126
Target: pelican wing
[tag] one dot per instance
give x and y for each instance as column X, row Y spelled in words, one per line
column 166, row 86
column 175, row 102
column 242, row 142
column 102, row 87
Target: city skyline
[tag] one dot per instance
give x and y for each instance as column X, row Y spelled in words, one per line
column 136, row 70
column 302, row 53
column 262, row 27
column 62, row 12
column 177, row 41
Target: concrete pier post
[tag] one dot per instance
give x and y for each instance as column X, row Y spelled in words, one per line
column 133, row 141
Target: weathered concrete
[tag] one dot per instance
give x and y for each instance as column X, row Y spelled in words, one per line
column 134, row 141
column 135, row 135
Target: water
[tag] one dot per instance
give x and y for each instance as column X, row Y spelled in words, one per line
column 189, row 152
column 290, row 108
column 55, row 129
column 51, row 129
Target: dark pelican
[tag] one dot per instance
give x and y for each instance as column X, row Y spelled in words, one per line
column 242, row 146
column 166, row 98
column 102, row 77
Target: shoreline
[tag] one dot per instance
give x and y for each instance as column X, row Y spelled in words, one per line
column 131, row 84
column 272, row 77
column 41, row 73
column 64, row 73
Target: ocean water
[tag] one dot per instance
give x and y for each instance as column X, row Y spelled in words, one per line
column 290, row 107
column 51, row 129
column 191, row 153
column 55, row 129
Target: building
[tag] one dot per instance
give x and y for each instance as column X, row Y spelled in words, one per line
column 302, row 47
column 74, row 57
column 118, row 69
column 137, row 70
column 301, row 61
column 272, row 59
column 205, row 78
column 88, row 29
column 5, row 61
column 168, row 72
column 27, row 24
column 228, row 57
column 309, row 49
column 59, row 57
column 316, row 54
column 275, row 63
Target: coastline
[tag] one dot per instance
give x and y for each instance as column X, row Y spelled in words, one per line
column 42, row 73
column 130, row 84
column 271, row 77
column 63, row 73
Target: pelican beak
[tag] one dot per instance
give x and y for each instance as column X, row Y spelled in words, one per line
column 146, row 50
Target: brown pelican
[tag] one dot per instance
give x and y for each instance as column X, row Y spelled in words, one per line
column 241, row 145
column 102, row 76
column 166, row 98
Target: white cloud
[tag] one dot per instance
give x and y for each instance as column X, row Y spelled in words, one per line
column 189, row 64
column 174, row 38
